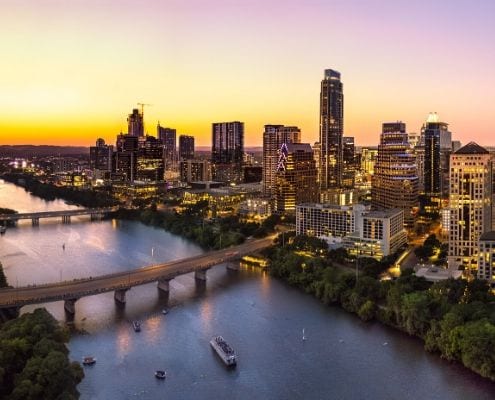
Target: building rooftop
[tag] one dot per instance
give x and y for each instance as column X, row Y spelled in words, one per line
column 472, row 148
column 488, row 236
column 436, row 274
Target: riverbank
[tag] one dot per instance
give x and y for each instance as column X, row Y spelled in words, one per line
column 455, row 319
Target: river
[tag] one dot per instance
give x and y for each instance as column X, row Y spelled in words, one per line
column 261, row 317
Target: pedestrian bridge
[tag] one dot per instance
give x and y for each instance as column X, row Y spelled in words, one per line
column 65, row 215
column 121, row 282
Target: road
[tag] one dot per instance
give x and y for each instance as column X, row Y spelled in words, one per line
column 16, row 297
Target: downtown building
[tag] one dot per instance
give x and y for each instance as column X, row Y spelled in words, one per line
column 295, row 177
column 358, row 229
column 437, row 140
column 486, row 258
column 194, row 170
column 274, row 136
column 394, row 183
column 135, row 123
column 100, row 159
column 331, row 131
column 227, row 151
column 168, row 137
column 470, row 205
column 186, row 147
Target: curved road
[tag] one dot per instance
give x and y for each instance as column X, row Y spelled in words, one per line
column 18, row 297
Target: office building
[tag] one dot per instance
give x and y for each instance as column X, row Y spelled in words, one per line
column 331, row 130
column 358, row 229
column 168, row 138
column 296, row 177
column 227, row 151
column 395, row 180
column 100, row 159
column 186, row 147
column 150, row 165
column 126, row 157
column 135, row 123
column 470, row 205
column 274, row 136
column 194, row 171
column 486, row 257
column 349, row 164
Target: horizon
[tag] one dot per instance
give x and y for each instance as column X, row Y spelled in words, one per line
column 75, row 71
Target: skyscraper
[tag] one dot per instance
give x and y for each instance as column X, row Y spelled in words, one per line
column 274, row 136
column 436, row 138
column 470, row 204
column 135, row 124
column 348, row 162
column 168, row 138
column 394, row 183
column 186, row 147
column 331, row 130
column 150, row 165
column 100, row 159
column 227, row 151
column 295, row 177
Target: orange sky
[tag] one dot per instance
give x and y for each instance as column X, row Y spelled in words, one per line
column 72, row 71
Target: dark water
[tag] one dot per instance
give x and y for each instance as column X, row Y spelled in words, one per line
column 260, row 317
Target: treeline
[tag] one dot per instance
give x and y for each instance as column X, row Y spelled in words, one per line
column 454, row 318
column 211, row 235
column 34, row 361
column 86, row 198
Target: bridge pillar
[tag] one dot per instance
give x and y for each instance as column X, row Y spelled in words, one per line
column 163, row 285
column 200, row 275
column 119, row 296
column 66, row 219
column 35, row 221
column 70, row 306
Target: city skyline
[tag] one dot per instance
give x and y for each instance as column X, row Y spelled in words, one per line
column 74, row 72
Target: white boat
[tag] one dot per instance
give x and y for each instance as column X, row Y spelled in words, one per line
column 224, row 351
column 159, row 374
column 303, row 336
column 88, row 360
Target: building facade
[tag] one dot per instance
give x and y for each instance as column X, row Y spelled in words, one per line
column 394, row 183
column 135, row 123
column 331, row 130
column 296, row 177
column 186, row 147
column 470, row 205
column 486, row 257
column 227, row 151
column 195, row 170
column 274, row 136
column 100, row 159
column 168, row 137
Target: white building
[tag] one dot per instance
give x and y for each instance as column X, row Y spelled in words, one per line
column 361, row 231
column 470, row 204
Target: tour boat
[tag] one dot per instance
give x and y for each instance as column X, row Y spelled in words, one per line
column 160, row 374
column 137, row 326
column 89, row 360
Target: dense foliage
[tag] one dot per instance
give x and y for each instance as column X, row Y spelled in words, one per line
column 191, row 224
column 34, row 360
column 3, row 278
column 86, row 198
column 455, row 318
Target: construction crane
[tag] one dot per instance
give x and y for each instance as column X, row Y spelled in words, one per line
column 142, row 106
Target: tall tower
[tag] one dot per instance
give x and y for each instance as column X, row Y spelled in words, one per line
column 295, row 177
column 470, row 204
column 168, row 138
column 274, row 137
column 436, row 138
column 331, row 130
column 186, row 147
column 227, row 150
column 394, row 183
column 135, row 124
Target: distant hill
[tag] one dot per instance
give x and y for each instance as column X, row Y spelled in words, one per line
column 28, row 150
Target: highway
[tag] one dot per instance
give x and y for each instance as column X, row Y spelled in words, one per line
column 72, row 290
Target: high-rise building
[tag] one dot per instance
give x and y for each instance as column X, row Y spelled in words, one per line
column 227, row 151
column 168, row 138
column 186, row 147
column 296, row 177
column 126, row 157
column 331, row 130
column 135, row 124
column 194, row 170
column 100, row 159
column 150, row 166
column 395, row 181
column 349, row 165
column 436, row 138
column 470, row 204
column 274, row 136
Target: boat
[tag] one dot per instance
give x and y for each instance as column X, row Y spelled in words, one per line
column 303, row 336
column 159, row 374
column 137, row 326
column 164, row 311
column 89, row 360
column 224, row 351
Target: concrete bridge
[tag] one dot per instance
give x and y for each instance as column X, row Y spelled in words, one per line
column 121, row 282
column 94, row 213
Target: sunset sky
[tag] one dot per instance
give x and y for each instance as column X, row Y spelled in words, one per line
column 72, row 70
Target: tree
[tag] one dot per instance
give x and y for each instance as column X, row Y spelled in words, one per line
column 3, row 278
